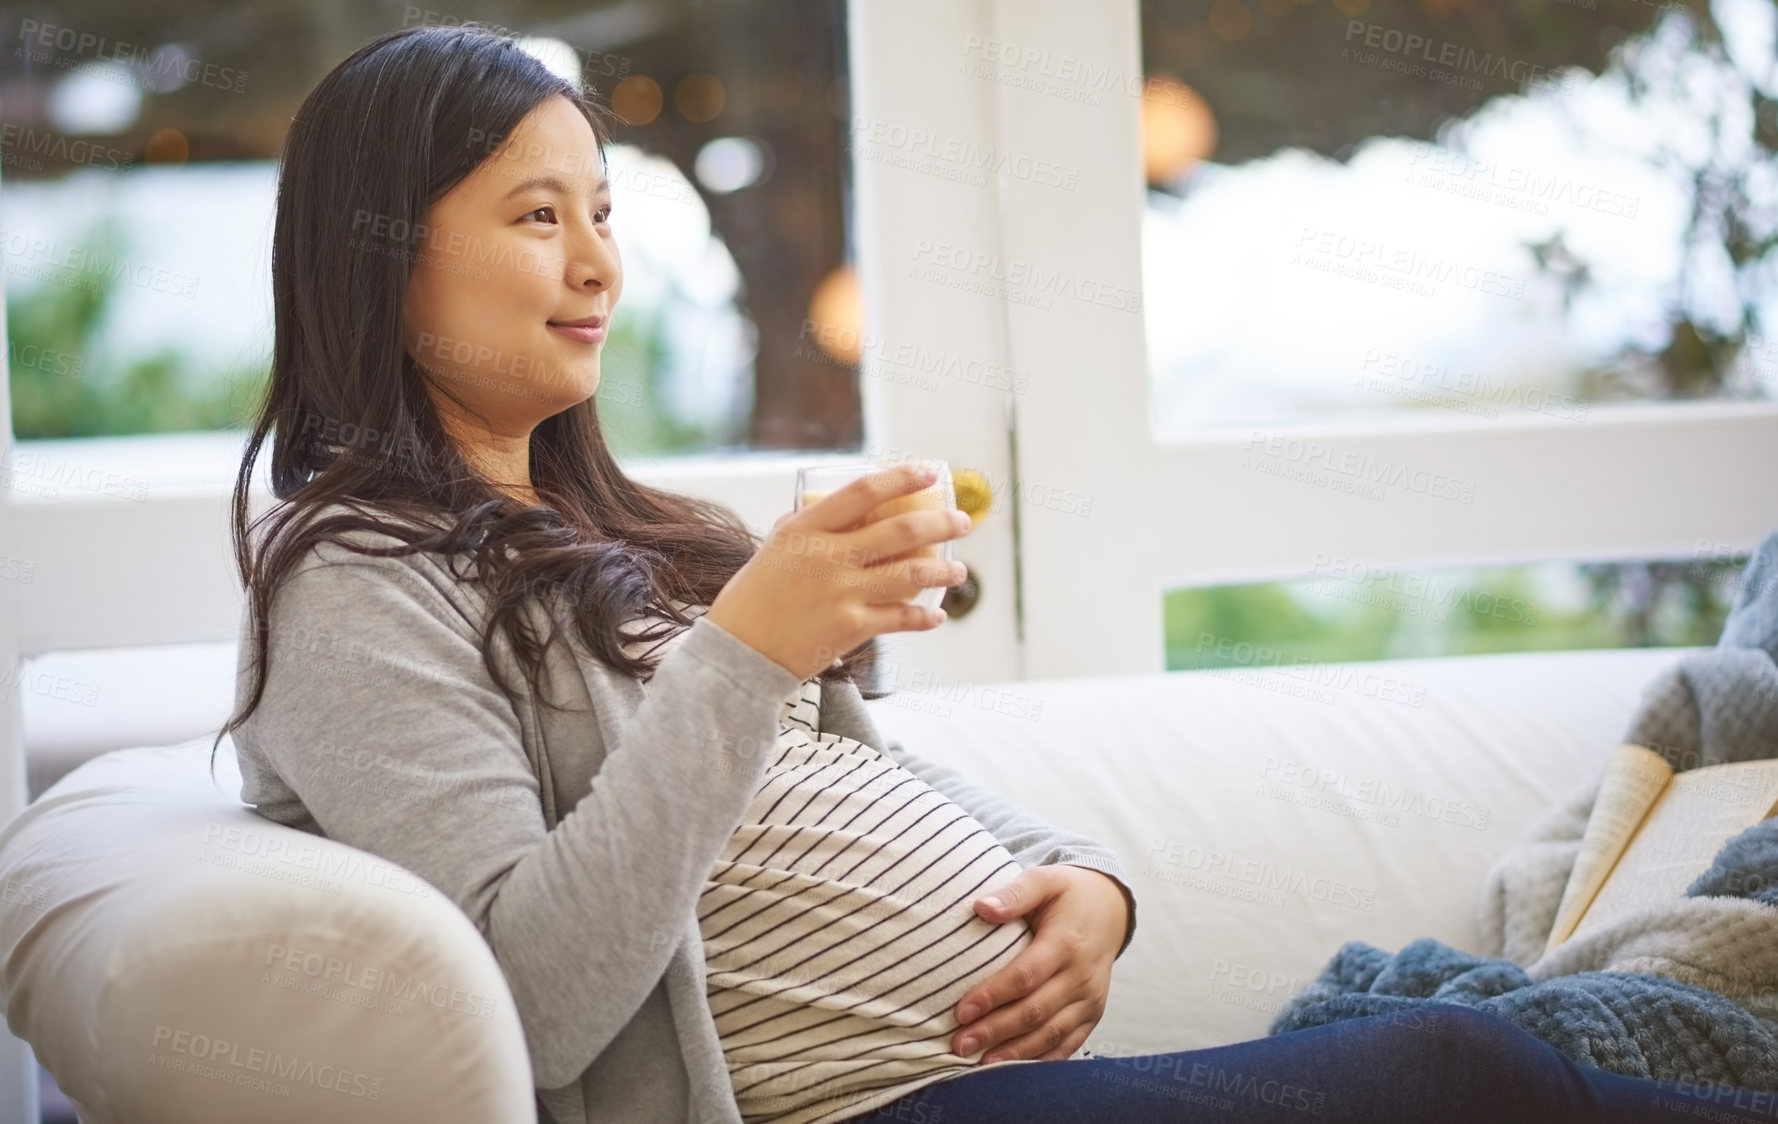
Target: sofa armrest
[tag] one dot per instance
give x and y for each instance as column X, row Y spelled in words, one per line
column 172, row 956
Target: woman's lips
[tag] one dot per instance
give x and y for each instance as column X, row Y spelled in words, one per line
column 579, row 334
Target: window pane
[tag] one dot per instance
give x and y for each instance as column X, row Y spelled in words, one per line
column 1352, row 611
column 1371, row 207
column 140, row 147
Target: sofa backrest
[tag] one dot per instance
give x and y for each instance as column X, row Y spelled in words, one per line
column 1266, row 816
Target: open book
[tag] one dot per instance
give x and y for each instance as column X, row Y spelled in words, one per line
column 1653, row 831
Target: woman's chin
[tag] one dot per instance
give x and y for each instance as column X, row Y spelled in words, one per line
column 574, row 387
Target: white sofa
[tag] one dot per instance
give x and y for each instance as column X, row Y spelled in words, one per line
column 173, row 958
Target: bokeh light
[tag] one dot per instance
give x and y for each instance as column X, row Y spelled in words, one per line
column 1230, row 20
column 96, row 98
column 731, row 163
column 699, row 97
column 1178, row 129
column 637, row 99
column 837, row 312
column 167, row 146
column 558, row 56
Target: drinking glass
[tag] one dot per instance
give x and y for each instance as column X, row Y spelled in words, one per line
column 816, row 481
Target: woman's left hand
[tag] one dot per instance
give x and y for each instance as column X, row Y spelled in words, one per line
column 1045, row 1002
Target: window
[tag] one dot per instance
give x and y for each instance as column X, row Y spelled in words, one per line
column 140, row 171
column 1452, row 212
column 1457, row 209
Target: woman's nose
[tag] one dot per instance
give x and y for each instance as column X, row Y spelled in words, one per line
column 591, row 263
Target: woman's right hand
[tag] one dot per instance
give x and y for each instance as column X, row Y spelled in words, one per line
column 825, row 581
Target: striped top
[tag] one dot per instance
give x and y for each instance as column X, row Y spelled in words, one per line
column 839, row 928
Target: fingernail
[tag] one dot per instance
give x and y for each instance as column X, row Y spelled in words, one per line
column 968, row 1013
column 993, row 903
column 968, row 1046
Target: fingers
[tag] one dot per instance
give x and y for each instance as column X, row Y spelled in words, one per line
column 844, row 507
column 920, row 533
column 1033, row 887
column 903, row 618
column 1073, row 1042
column 993, row 1007
column 1038, row 1024
column 906, row 578
column 1055, row 1040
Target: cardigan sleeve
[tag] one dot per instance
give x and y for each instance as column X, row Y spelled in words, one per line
column 378, row 713
column 1030, row 839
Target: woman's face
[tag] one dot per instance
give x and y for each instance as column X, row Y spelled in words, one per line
column 512, row 293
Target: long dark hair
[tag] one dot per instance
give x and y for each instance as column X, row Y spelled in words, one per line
column 391, row 129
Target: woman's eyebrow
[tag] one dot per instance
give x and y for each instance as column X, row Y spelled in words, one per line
column 551, row 183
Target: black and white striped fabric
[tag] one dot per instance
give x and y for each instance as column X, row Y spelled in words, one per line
column 839, row 930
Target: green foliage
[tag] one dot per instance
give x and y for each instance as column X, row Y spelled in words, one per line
column 1451, row 613
column 634, row 413
column 58, row 392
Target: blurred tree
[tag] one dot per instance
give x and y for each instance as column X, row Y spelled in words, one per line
column 58, row 390
column 1731, row 226
column 1325, row 77
column 1665, row 603
column 634, row 413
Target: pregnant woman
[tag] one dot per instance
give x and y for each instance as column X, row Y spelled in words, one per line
column 624, row 736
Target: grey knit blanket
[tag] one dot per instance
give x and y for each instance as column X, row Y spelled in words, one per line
column 1687, row 990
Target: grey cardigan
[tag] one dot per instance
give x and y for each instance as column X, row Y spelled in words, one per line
column 577, row 841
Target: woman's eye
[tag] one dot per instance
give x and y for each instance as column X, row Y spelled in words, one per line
column 603, row 214
column 550, row 211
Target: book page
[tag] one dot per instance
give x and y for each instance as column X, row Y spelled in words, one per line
column 1700, row 810
column 1634, row 778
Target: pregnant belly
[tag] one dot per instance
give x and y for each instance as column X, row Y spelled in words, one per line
column 840, row 933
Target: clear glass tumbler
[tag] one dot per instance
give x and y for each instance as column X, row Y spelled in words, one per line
column 816, row 481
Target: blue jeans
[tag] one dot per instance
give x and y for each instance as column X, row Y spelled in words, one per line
column 1437, row 1062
